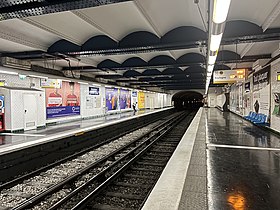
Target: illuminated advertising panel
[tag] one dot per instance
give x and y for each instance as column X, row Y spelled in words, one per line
column 229, row 76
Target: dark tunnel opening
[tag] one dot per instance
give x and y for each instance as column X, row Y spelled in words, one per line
column 187, row 100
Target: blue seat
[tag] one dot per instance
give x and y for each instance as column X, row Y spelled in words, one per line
column 258, row 118
column 249, row 115
column 262, row 120
column 254, row 117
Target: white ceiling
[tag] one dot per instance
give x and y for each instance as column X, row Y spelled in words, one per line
column 119, row 20
column 256, row 11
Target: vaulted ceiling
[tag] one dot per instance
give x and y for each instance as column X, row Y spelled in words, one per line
column 152, row 44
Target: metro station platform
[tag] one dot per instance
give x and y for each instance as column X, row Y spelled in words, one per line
column 10, row 142
column 222, row 163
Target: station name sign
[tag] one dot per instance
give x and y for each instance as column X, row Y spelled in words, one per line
column 261, row 78
column 229, row 76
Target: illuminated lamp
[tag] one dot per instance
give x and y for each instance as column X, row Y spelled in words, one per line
column 220, row 12
column 215, row 42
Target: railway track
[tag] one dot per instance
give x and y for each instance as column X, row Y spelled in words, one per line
column 44, row 188
column 128, row 186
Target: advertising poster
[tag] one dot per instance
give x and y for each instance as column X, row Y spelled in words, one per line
column 276, row 110
column 141, row 100
column 261, row 91
column 112, row 98
column 93, row 91
column 64, row 101
column 247, row 87
column 240, row 95
column 125, row 99
column 2, row 105
column 134, row 93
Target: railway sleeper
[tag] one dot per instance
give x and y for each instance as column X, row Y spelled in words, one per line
column 138, row 176
column 167, row 144
column 169, row 148
column 125, row 196
column 106, row 207
column 162, row 159
column 124, row 184
column 160, row 151
column 145, row 169
column 152, row 156
column 151, row 164
column 172, row 139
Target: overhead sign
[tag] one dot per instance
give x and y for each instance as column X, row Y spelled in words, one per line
column 51, row 83
column 229, row 76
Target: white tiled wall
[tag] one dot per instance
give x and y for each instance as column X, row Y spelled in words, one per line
column 85, row 112
column 17, row 110
column 7, row 103
column 41, row 117
column 14, row 107
column 275, row 87
column 14, row 117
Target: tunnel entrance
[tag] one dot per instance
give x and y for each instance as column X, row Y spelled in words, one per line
column 187, row 100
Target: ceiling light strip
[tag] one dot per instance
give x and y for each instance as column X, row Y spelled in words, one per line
column 220, row 12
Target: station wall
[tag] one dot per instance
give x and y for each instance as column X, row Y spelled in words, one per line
column 259, row 93
column 16, row 87
column 93, row 105
column 275, row 93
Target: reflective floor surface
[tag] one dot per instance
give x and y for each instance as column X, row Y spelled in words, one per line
column 246, row 176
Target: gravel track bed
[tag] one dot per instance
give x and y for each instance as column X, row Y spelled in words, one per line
column 118, row 202
column 147, row 167
column 130, row 188
column 144, row 173
column 42, row 182
column 124, row 190
column 158, row 161
column 136, row 181
column 74, row 200
column 153, row 155
column 52, row 200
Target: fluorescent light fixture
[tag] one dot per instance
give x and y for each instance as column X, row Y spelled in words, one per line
column 210, row 68
column 83, row 83
column 220, row 12
column 65, row 80
column 38, row 76
column 215, row 42
column 8, row 72
column 22, row 76
column 212, row 60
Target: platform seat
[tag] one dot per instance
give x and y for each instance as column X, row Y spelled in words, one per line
column 262, row 120
column 258, row 119
column 250, row 115
column 254, row 116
